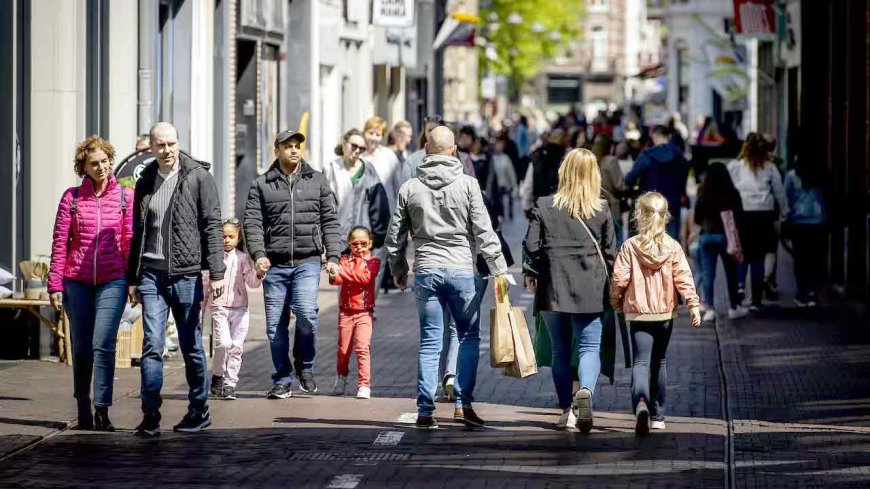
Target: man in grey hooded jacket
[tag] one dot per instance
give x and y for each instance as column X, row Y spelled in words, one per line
column 443, row 209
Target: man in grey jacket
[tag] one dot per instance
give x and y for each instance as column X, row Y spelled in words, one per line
column 443, row 209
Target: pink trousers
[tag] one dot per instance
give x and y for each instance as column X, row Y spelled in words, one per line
column 230, row 326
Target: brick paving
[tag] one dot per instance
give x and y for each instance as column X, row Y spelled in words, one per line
column 320, row 440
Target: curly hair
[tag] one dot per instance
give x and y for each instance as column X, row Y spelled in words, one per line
column 88, row 146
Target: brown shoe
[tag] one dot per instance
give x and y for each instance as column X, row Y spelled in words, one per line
column 468, row 417
column 426, row 423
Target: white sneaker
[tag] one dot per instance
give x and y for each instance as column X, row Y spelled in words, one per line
column 565, row 420
column 709, row 316
column 657, row 425
column 340, row 385
column 364, row 392
column 737, row 313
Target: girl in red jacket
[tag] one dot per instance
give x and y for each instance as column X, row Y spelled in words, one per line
column 356, row 305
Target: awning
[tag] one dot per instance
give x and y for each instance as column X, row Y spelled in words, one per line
column 457, row 30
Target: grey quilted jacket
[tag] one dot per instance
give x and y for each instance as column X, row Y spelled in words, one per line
column 197, row 237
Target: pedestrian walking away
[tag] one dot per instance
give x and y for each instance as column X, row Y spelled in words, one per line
column 177, row 230
column 717, row 211
column 229, row 312
column 571, row 244
column 662, row 168
column 443, row 209
column 290, row 223
column 90, row 249
column 650, row 270
column 806, row 228
column 356, row 305
column 761, row 192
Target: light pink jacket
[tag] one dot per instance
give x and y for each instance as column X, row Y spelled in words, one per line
column 239, row 276
column 91, row 241
column 645, row 287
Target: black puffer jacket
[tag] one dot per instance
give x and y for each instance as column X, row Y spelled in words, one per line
column 197, row 241
column 292, row 219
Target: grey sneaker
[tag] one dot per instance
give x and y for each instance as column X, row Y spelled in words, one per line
column 279, row 391
column 217, row 383
column 306, row 382
column 228, row 393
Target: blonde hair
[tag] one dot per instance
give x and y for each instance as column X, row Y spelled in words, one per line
column 652, row 215
column 579, row 185
column 375, row 122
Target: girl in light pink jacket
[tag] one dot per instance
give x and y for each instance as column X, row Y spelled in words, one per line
column 229, row 313
column 90, row 248
column 649, row 271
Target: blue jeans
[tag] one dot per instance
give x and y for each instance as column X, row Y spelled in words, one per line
column 714, row 245
column 460, row 292
column 183, row 296
column 286, row 289
column 449, row 355
column 563, row 327
column 94, row 315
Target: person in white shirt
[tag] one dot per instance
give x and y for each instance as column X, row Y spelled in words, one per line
column 764, row 203
column 384, row 160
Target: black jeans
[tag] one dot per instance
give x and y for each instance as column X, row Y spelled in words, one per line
column 649, row 375
column 810, row 242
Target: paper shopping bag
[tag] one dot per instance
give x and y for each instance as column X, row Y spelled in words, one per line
column 524, row 364
column 501, row 347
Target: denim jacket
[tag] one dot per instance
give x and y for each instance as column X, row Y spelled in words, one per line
column 806, row 205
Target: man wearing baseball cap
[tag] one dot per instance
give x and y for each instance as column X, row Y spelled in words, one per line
column 290, row 222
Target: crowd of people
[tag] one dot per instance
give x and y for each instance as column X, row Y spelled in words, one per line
column 612, row 231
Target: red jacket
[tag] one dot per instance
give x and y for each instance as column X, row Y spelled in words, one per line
column 91, row 242
column 357, row 280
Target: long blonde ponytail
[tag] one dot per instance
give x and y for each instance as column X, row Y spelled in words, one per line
column 651, row 215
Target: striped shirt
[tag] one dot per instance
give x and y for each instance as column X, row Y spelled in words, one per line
column 157, row 233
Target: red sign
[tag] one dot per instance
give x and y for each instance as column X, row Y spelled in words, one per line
column 754, row 18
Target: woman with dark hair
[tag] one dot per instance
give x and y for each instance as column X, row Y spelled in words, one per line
column 716, row 210
column 806, row 229
column 90, row 249
column 760, row 186
column 359, row 192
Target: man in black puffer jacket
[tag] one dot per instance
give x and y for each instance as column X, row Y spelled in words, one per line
column 290, row 221
column 176, row 234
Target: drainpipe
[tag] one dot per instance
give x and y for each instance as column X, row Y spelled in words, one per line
column 148, row 12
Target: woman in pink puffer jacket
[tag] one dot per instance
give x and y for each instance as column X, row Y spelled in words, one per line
column 91, row 245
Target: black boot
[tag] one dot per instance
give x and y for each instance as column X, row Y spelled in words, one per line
column 101, row 419
column 85, row 418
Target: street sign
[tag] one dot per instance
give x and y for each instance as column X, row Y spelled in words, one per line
column 754, row 18
column 393, row 13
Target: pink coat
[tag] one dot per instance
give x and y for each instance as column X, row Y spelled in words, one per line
column 91, row 242
column 239, row 276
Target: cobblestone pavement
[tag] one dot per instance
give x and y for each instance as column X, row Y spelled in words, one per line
column 324, row 441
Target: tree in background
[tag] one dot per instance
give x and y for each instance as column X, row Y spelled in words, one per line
column 522, row 34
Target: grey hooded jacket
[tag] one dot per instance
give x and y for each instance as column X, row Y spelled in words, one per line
column 443, row 209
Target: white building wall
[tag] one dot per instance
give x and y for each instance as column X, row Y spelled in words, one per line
column 123, row 79
column 686, row 22
column 202, row 80
column 57, row 108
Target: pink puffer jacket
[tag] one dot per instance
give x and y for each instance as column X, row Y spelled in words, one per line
column 91, row 242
